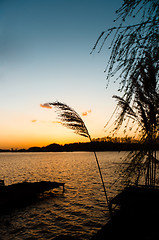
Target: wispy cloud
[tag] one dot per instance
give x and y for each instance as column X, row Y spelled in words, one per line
column 33, row 121
column 45, row 105
column 42, row 121
column 86, row 113
column 55, row 122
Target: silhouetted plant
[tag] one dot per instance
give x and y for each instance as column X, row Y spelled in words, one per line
column 134, row 60
column 72, row 120
column 131, row 42
column 142, row 107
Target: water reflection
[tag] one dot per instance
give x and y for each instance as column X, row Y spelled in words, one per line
column 80, row 212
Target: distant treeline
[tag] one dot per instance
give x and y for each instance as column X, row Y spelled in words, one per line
column 100, row 144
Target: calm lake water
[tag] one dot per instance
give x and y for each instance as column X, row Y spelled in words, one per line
column 79, row 212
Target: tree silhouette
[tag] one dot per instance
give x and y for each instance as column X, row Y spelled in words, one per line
column 143, row 110
column 131, row 42
column 134, row 61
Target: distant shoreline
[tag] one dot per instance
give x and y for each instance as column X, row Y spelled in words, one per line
column 97, row 145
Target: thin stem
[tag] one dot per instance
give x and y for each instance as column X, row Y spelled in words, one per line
column 155, row 169
column 100, row 173
column 152, row 169
column 101, row 178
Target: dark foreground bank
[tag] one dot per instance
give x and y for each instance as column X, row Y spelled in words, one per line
column 137, row 216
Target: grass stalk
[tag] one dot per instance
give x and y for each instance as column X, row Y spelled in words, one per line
column 72, row 120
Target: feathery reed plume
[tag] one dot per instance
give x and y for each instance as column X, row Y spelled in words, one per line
column 71, row 119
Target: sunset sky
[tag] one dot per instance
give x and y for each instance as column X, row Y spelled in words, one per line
column 45, row 50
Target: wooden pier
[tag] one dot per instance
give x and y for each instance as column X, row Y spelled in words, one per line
column 21, row 194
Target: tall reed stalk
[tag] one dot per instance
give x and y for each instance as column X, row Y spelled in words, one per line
column 72, row 120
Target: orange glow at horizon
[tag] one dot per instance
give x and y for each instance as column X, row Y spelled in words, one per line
column 38, row 133
column 27, row 142
column 42, row 127
column 42, row 133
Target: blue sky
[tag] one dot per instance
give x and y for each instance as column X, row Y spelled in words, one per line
column 45, row 56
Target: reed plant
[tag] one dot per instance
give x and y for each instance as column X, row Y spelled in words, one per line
column 72, row 120
column 138, row 110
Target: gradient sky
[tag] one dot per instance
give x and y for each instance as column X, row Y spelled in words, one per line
column 45, row 50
